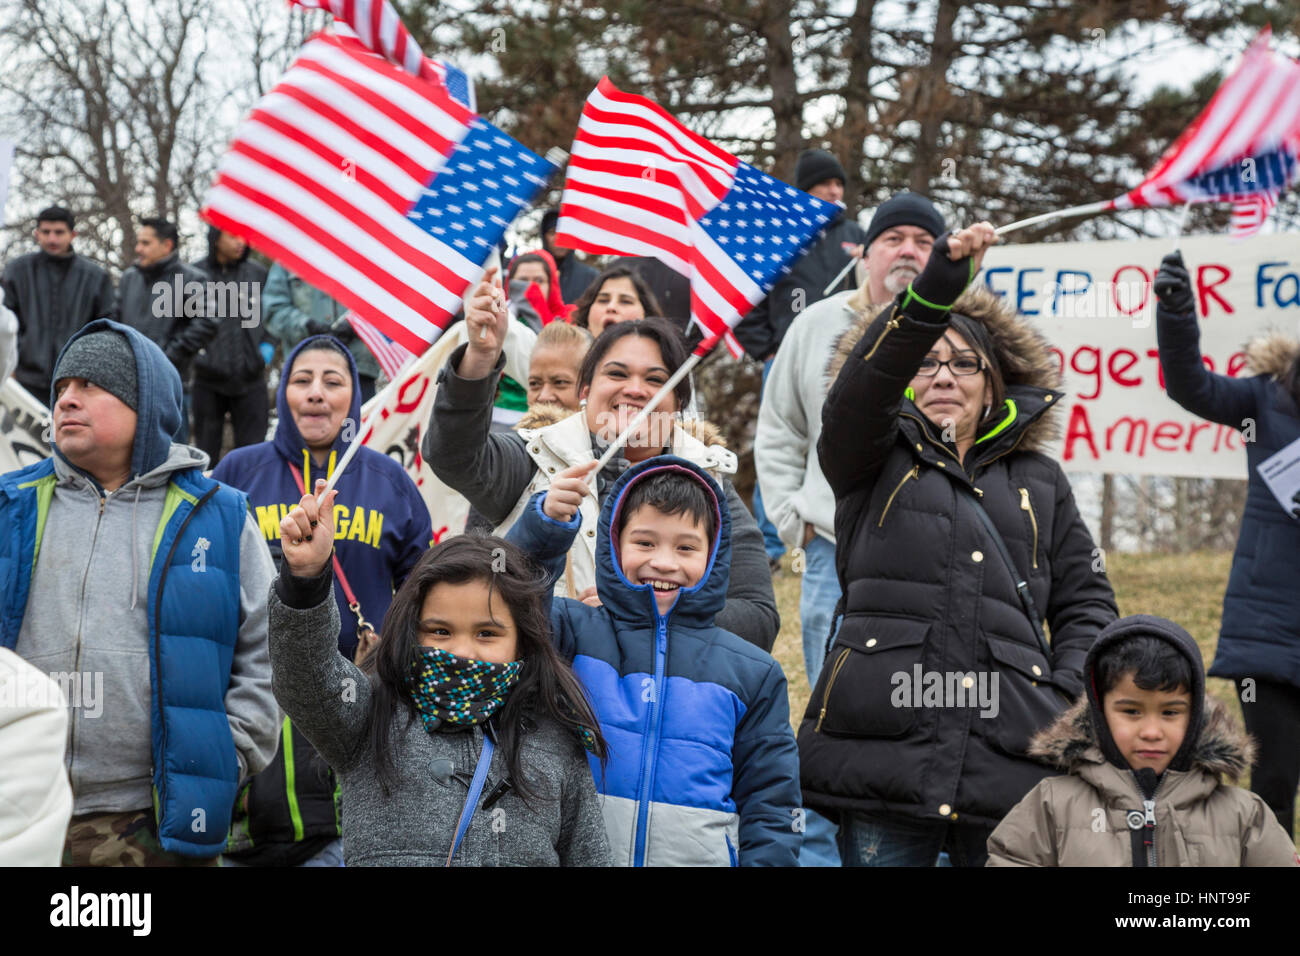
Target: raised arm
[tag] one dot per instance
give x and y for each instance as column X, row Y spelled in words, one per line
column 1214, row 397
column 860, row 417
column 327, row 696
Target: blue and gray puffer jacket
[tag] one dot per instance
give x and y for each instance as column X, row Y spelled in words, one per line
column 703, row 769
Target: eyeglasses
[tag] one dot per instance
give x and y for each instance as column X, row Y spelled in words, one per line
column 963, row 363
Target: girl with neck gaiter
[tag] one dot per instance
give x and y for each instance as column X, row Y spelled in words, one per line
column 463, row 740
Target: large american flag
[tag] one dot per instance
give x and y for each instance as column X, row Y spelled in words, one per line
column 1242, row 148
column 639, row 183
column 376, row 24
column 374, row 186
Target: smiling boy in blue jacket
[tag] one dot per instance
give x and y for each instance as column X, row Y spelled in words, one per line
column 703, row 768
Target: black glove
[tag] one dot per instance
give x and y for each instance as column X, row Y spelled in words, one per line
column 1173, row 286
column 942, row 281
column 318, row 328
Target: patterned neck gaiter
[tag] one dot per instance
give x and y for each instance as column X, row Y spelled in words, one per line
column 454, row 690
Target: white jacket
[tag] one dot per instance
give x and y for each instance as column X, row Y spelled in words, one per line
column 35, row 797
column 795, row 491
column 566, row 442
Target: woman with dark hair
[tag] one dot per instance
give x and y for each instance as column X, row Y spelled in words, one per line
column 623, row 369
column 464, row 717
column 287, row 815
column 1259, row 639
column 956, row 536
column 618, row 294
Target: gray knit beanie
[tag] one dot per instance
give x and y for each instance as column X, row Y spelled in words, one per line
column 105, row 358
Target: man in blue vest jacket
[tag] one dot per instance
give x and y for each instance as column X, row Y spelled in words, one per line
column 140, row 586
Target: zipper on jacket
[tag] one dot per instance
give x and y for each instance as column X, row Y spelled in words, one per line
column 914, row 473
column 890, row 325
column 1149, row 817
column 1026, row 505
column 76, row 666
column 926, row 435
column 835, row 672
column 650, row 752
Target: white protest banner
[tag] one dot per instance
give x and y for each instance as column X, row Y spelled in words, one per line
column 23, row 421
column 1093, row 301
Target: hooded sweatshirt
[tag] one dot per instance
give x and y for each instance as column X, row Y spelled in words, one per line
column 87, row 610
column 703, row 769
column 1103, row 813
column 382, row 526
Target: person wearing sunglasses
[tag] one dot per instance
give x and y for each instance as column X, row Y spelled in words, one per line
column 956, row 539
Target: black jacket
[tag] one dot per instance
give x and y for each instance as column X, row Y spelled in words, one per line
column 1260, row 634
column 925, row 590
column 179, row 324
column 762, row 330
column 52, row 298
column 231, row 363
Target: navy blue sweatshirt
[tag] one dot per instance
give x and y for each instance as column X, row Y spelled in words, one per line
column 381, row 524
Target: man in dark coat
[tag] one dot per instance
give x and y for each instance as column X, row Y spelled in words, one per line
column 230, row 372
column 820, row 174
column 575, row 276
column 53, row 293
column 169, row 302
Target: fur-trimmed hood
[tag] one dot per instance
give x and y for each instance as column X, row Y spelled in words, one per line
column 1223, row 747
column 1272, row 354
column 547, row 413
column 1022, row 351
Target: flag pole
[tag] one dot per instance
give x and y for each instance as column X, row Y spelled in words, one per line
column 355, row 444
column 1090, row 209
column 701, row 350
column 1182, row 224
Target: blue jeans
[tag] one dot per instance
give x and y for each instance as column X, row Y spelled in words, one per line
column 898, row 841
column 771, row 540
column 819, row 593
column 330, row 855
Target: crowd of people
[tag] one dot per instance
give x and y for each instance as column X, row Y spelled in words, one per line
column 206, row 658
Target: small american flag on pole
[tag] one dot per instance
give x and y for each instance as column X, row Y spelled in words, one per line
column 1248, row 214
column 390, row 356
column 639, row 183
column 1243, row 146
column 374, row 186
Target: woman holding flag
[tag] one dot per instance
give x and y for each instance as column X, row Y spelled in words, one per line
column 624, row 368
column 956, row 538
column 288, row 814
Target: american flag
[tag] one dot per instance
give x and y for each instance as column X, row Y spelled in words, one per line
column 1248, row 214
column 376, row 24
column 390, row 356
column 374, row 186
column 639, row 183
column 1242, row 148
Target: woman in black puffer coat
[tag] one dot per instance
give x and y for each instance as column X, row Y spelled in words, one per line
column 1259, row 639
column 916, row 734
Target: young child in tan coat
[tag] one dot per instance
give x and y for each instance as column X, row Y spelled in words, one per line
column 1144, row 752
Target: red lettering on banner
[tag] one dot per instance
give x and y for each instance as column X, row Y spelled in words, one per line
column 1160, row 369
column 437, row 535
column 404, row 406
column 1205, row 290
column 1095, row 370
column 1079, row 428
column 1160, row 435
column 1115, row 285
column 1117, row 374
column 1191, row 433
column 1236, row 362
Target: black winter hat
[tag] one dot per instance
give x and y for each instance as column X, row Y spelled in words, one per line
column 549, row 219
column 1146, row 625
column 906, row 209
column 105, row 358
column 816, row 166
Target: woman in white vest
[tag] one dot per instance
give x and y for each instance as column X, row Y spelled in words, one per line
column 623, row 369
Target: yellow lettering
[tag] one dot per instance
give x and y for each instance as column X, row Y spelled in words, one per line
column 341, row 522
column 376, row 528
column 358, row 530
column 268, row 521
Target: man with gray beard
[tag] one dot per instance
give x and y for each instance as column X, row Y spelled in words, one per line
column 798, row 499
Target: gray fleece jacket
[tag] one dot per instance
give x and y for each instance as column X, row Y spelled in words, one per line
column 329, row 698
column 87, row 615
